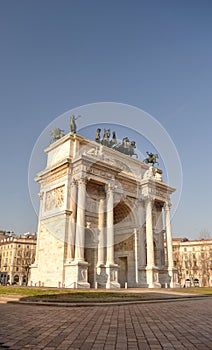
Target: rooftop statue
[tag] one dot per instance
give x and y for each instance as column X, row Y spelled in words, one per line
column 56, row 134
column 151, row 159
column 98, row 135
column 114, row 140
column 126, row 146
column 73, row 126
column 106, row 138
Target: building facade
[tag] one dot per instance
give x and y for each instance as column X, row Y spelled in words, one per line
column 17, row 253
column 101, row 220
column 193, row 260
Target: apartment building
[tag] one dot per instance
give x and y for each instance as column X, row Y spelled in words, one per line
column 193, row 260
column 17, row 253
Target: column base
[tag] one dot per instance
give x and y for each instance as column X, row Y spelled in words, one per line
column 152, row 276
column 101, row 276
column 172, row 272
column 112, row 276
column 142, row 278
column 76, row 275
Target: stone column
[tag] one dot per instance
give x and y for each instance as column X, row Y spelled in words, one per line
column 80, row 225
column 152, row 275
column 74, row 189
column 172, row 271
column 159, row 230
column 168, row 235
column 101, row 244
column 141, row 245
column 149, row 234
column 110, row 228
column 77, row 271
column 141, row 236
column 72, row 220
column 136, row 255
column 111, row 268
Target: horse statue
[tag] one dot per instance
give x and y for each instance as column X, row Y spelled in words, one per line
column 151, row 159
column 114, row 140
column 97, row 138
column 127, row 147
column 132, row 148
column 73, row 126
column 56, row 134
column 106, row 138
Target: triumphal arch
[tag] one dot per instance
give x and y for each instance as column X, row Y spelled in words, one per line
column 103, row 215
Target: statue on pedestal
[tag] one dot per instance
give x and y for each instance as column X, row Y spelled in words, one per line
column 73, row 126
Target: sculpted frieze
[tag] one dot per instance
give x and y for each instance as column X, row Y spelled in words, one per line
column 55, row 198
column 99, row 172
column 161, row 193
column 76, row 169
column 129, row 187
column 54, row 176
column 126, row 245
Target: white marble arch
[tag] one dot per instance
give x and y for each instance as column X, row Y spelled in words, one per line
column 101, row 199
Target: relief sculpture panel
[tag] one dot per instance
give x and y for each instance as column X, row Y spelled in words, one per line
column 55, row 198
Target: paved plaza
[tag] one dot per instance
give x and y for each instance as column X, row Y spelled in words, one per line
column 164, row 325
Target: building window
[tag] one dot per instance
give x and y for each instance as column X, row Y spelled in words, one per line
column 185, row 249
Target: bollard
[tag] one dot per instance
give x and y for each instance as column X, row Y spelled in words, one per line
column 96, row 285
column 125, row 285
column 59, row 284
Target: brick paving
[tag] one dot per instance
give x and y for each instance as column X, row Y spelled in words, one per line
column 173, row 325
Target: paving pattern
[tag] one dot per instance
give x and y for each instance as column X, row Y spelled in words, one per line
column 167, row 325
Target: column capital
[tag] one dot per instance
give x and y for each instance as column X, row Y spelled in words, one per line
column 148, row 199
column 74, row 182
column 140, row 200
column 82, row 180
column 167, row 205
column 41, row 194
column 110, row 187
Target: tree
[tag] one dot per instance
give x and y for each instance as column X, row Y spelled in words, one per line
column 205, row 234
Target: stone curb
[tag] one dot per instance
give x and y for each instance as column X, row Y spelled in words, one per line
column 102, row 304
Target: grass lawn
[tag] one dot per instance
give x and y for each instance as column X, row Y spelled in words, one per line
column 67, row 295
column 196, row 290
column 71, row 295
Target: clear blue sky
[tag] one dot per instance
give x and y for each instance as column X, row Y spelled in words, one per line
column 57, row 55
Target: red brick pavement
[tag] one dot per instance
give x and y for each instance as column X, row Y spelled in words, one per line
column 173, row 325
